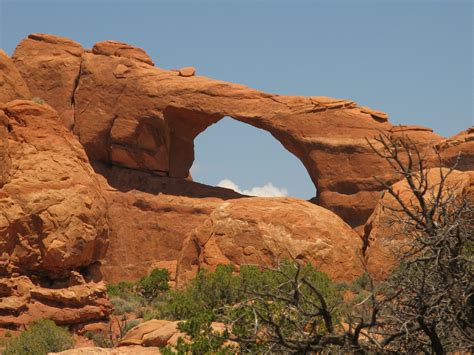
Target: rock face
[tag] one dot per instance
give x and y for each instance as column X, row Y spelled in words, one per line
column 207, row 226
column 458, row 150
column 53, row 218
column 50, row 65
column 263, row 231
column 67, row 302
column 52, row 214
column 12, row 85
column 148, row 228
column 384, row 233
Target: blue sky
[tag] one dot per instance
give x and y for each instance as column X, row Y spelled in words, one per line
column 411, row 59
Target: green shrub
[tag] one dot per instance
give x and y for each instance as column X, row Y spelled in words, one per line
column 42, row 337
column 153, row 284
column 362, row 283
column 100, row 339
column 122, row 306
column 122, row 289
column 234, row 298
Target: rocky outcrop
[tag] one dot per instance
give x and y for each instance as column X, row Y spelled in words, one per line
column 131, row 114
column 66, row 302
column 121, row 49
column 161, row 227
column 53, row 219
column 12, row 85
column 264, row 231
column 50, row 66
column 384, row 232
column 458, row 150
column 52, row 214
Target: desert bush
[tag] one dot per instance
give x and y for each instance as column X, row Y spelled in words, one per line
column 108, row 338
column 123, row 306
column 152, row 285
column 122, row 289
column 248, row 303
column 42, row 337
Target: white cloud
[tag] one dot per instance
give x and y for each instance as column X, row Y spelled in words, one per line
column 195, row 168
column 267, row 190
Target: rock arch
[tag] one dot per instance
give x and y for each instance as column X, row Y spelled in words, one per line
column 129, row 113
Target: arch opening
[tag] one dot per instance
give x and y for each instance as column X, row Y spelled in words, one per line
column 236, row 155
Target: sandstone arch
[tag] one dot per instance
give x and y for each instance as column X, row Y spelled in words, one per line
column 129, row 113
column 186, row 126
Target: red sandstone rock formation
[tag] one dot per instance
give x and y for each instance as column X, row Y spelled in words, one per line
column 12, row 85
column 137, row 124
column 263, row 231
column 53, row 221
column 458, row 150
column 50, row 66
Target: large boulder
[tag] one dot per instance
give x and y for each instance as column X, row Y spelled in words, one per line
column 264, row 231
column 52, row 215
column 159, row 333
column 50, row 66
column 53, row 222
column 384, row 231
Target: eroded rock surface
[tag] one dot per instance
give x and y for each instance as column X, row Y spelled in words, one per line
column 264, row 231
column 158, row 137
column 50, row 66
column 52, row 213
column 148, row 228
column 12, row 85
column 458, row 150
column 53, row 220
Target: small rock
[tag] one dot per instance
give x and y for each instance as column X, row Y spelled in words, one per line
column 187, row 71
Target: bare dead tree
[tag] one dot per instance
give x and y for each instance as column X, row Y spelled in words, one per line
column 429, row 298
column 426, row 305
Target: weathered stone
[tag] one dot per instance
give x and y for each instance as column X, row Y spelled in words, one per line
column 50, row 66
column 121, row 49
column 264, row 231
column 52, row 214
column 187, row 71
